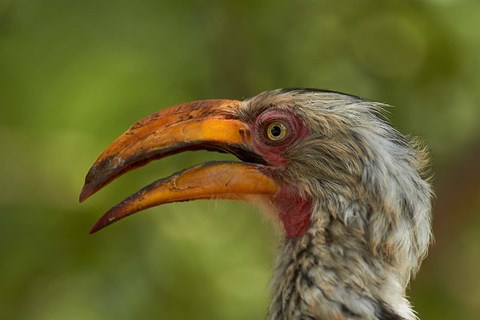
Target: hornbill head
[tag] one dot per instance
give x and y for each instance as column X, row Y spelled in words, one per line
column 347, row 188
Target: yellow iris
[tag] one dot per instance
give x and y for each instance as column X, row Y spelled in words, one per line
column 276, row 131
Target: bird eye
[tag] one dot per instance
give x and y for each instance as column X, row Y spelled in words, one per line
column 276, row 131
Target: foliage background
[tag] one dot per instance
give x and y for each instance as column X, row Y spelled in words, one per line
column 76, row 74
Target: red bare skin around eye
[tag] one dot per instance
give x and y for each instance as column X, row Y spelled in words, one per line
column 293, row 210
column 273, row 152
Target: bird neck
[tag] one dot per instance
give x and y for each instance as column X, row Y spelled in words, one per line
column 329, row 272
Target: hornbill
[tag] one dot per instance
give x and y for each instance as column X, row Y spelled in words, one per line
column 350, row 193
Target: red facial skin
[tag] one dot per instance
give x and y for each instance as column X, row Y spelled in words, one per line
column 294, row 210
column 272, row 151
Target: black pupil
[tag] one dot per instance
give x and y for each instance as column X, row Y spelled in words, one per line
column 276, row 131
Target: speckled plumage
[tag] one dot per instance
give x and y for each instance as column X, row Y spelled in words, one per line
column 349, row 191
column 370, row 225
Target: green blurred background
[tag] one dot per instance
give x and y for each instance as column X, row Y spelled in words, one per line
column 76, row 74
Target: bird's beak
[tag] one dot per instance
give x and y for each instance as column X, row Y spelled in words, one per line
column 207, row 125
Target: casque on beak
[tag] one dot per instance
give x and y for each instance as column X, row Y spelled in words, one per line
column 199, row 125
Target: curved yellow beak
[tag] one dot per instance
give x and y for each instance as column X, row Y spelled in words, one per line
column 207, row 125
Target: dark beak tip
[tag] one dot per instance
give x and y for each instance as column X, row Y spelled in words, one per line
column 99, row 225
column 94, row 229
column 99, row 175
column 85, row 193
column 93, row 183
column 89, row 185
column 111, row 216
